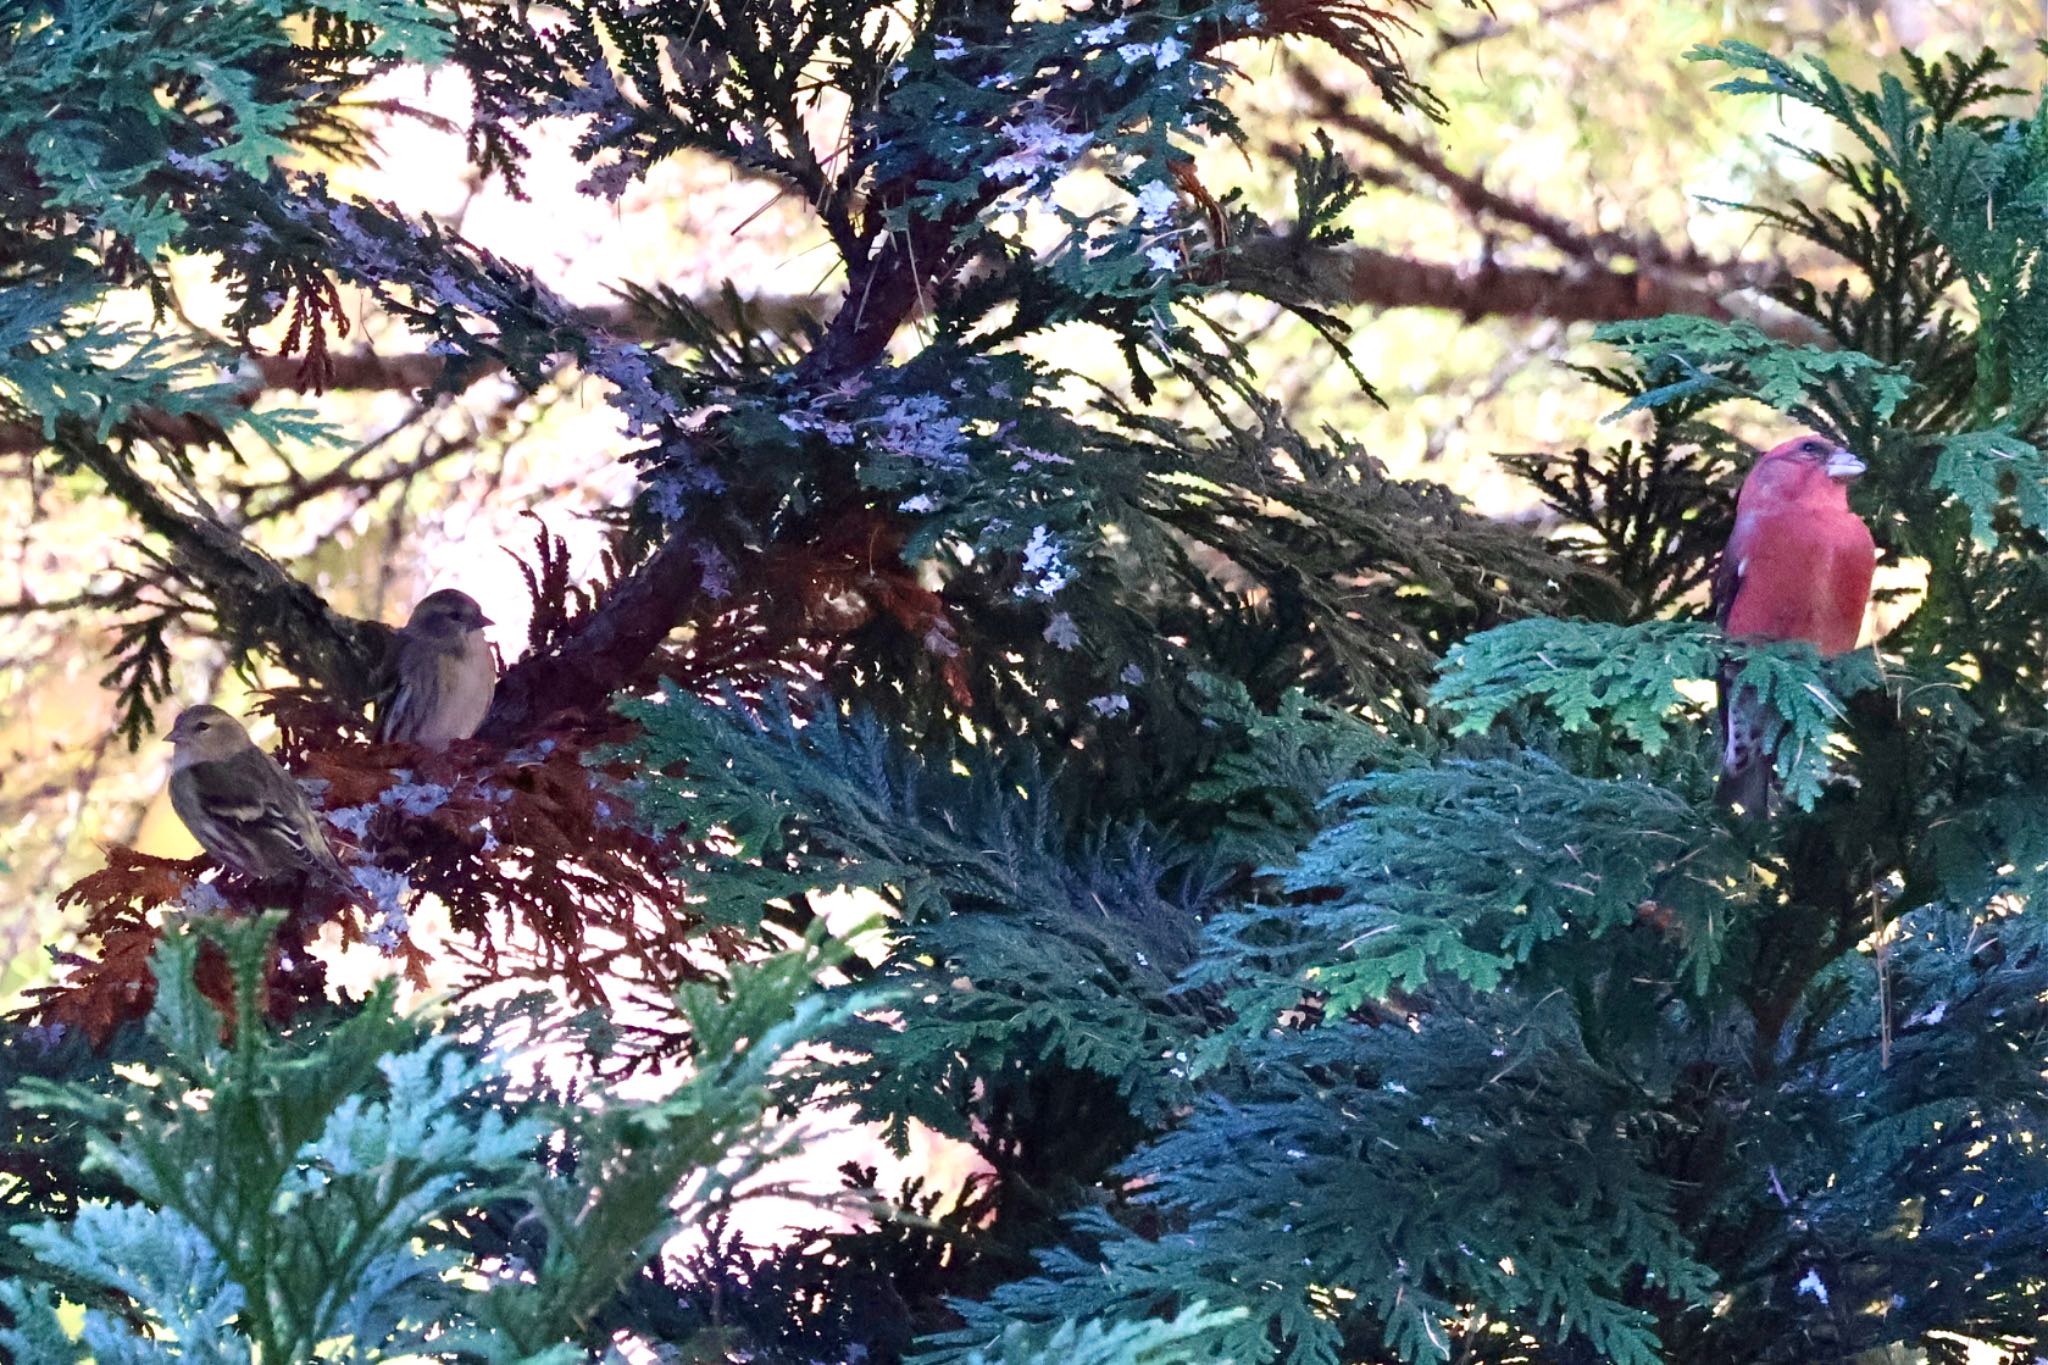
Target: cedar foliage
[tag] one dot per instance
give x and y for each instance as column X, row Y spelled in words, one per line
column 281, row 1192
column 1529, row 1055
column 1305, row 895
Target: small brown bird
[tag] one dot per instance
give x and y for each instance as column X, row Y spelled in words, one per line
column 241, row 806
column 446, row 674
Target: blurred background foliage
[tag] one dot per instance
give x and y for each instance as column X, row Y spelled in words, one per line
column 1576, row 144
column 1577, row 141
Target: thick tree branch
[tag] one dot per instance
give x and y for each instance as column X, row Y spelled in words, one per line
column 608, row 648
column 1480, row 201
column 1612, row 275
column 1337, row 277
column 891, row 290
column 256, row 601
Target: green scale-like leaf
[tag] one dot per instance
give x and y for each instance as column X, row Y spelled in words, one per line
column 1587, row 675
column 1988, row 471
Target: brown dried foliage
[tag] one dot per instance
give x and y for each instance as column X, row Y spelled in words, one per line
column 529, row 846
column 316, row 305
column 530, row 849
column 1360, row 32
column 99, row 993
column 854, row 575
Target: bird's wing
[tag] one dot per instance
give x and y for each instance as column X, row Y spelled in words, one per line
column 384, row 681
column 416, row 690
column 252, row 796
column 1736, row 784
column 1728, row 574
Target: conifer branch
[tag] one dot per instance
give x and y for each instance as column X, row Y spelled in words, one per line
column 886, row 295
column 608, row 648
column 364, row 370
column 257, row 602
column 1350, row 276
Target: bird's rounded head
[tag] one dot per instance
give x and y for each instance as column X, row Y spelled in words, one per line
column 447, row 614
column 1803, row 469
column 204, row 734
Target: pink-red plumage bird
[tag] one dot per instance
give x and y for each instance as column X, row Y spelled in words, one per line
column 1797, row 567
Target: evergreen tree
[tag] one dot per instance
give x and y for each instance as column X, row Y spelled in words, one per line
column 1529, row 1055
column 316, row 1192
column 1306, row 895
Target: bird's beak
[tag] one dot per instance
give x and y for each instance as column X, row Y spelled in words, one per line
column 483, row 620
column 1844, row 467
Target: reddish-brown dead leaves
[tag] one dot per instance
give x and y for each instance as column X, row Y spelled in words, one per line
column 854, row 574
column 533, row 852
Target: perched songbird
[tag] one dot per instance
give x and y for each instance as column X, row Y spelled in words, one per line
column 241, row 807
column 446, row 674
column 1797, row 567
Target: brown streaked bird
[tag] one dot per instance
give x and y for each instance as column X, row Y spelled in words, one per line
column 446, row 674
column 241, row 806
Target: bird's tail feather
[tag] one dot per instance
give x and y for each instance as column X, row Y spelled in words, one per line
column 1747, row 770
column 1746, row 787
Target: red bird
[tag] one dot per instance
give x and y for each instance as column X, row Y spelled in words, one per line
column 1797, row 567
